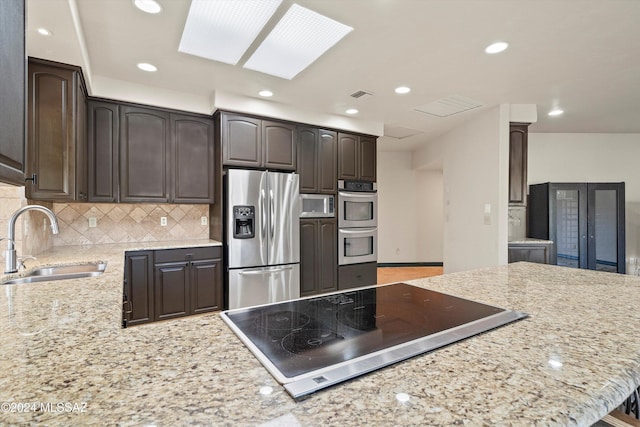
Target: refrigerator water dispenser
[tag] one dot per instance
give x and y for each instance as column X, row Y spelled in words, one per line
column 244, row 222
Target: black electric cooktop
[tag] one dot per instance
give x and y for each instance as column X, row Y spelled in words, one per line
column 311, row 343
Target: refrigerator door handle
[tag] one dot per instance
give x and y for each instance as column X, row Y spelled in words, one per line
column 271, row 204
column 265, row 270
column 264, row 216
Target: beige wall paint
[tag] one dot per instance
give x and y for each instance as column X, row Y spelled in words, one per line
column 475, row 167
column 429, row 217
column 564, row 157
column 454, row 178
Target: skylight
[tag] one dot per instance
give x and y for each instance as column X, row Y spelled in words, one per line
column 299, row 39
column 224, row 30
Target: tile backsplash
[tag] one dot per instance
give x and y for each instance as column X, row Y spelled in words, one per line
column 119, row 223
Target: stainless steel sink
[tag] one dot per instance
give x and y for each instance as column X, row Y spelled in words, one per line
column 60, row 272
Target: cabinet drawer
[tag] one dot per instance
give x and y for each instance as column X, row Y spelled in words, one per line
column 356, row 275
column 182, row 254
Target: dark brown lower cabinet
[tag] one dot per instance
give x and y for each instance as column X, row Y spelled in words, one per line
column 538, row 253
column 138, row 288
column 318, row 256
column 356, row 275
column 171, row 289
column 177, row 282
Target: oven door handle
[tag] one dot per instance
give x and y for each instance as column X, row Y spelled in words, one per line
column 358, row 230
column 363, row 195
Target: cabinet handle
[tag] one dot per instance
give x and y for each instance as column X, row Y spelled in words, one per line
column 189, row 256
column 33, row 179
column 129, row 305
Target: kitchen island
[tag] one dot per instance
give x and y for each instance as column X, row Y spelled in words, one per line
column 63, row 350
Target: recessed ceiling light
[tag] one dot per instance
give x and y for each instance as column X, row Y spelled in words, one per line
column 147, row 67
column 351, row 111
column 265, row 93
column 496, row 47
column 299, row 39
column 44, row 32
column 555, row 112
column 224, row 30
column 402, row 90
column 149, row 6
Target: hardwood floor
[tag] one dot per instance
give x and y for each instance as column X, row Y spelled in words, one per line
column 398, row 274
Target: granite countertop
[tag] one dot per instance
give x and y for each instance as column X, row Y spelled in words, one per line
column 572, row 361
column 530, row 241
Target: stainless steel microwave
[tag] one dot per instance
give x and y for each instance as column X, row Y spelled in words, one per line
column 317, row 206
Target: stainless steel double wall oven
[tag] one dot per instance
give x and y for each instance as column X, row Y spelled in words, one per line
column 357, row 222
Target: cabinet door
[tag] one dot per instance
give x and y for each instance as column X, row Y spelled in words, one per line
column 327, row 162
column 518, row 164
column 606, row 227
column 206, row 286
column 80, row 118
column 192, row 172
column 102, row 151
column 241, row 140
column 12, row 91
column 279, row 146
column 307, row 164
column 327, row 255
column 348, row 165
column 308, row 257
column 51, row 135
column 171, row 290
column 144, row 139
column 568, row 224
column 367, row 165
column 138, row 288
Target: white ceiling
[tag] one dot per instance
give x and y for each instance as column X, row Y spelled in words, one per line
column 583, row 55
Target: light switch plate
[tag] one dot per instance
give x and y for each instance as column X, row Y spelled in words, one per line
column 203, row 220
column 93, row 222
column 163, row 221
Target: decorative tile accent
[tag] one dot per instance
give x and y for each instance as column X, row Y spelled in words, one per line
column 122, row 223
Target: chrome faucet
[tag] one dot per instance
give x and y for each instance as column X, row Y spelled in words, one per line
column 10, row 254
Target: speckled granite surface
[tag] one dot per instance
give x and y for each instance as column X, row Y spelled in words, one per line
column 573, row 360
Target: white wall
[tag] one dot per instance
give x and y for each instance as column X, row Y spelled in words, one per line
column 430, row 218
column 475, row 177
column 396, row 208
column 574, row 157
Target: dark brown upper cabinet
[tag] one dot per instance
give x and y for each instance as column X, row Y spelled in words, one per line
column 253, row 142
column 140, row 154
column 12, row 92
column 56, row 132
column 192, row 167
column 102, row 151
column 317, row 160
column 518, row 164
column 278, row 145
column 144, row 152
column 356, row 157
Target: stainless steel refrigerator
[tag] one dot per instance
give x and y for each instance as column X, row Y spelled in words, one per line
column 262, row 237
